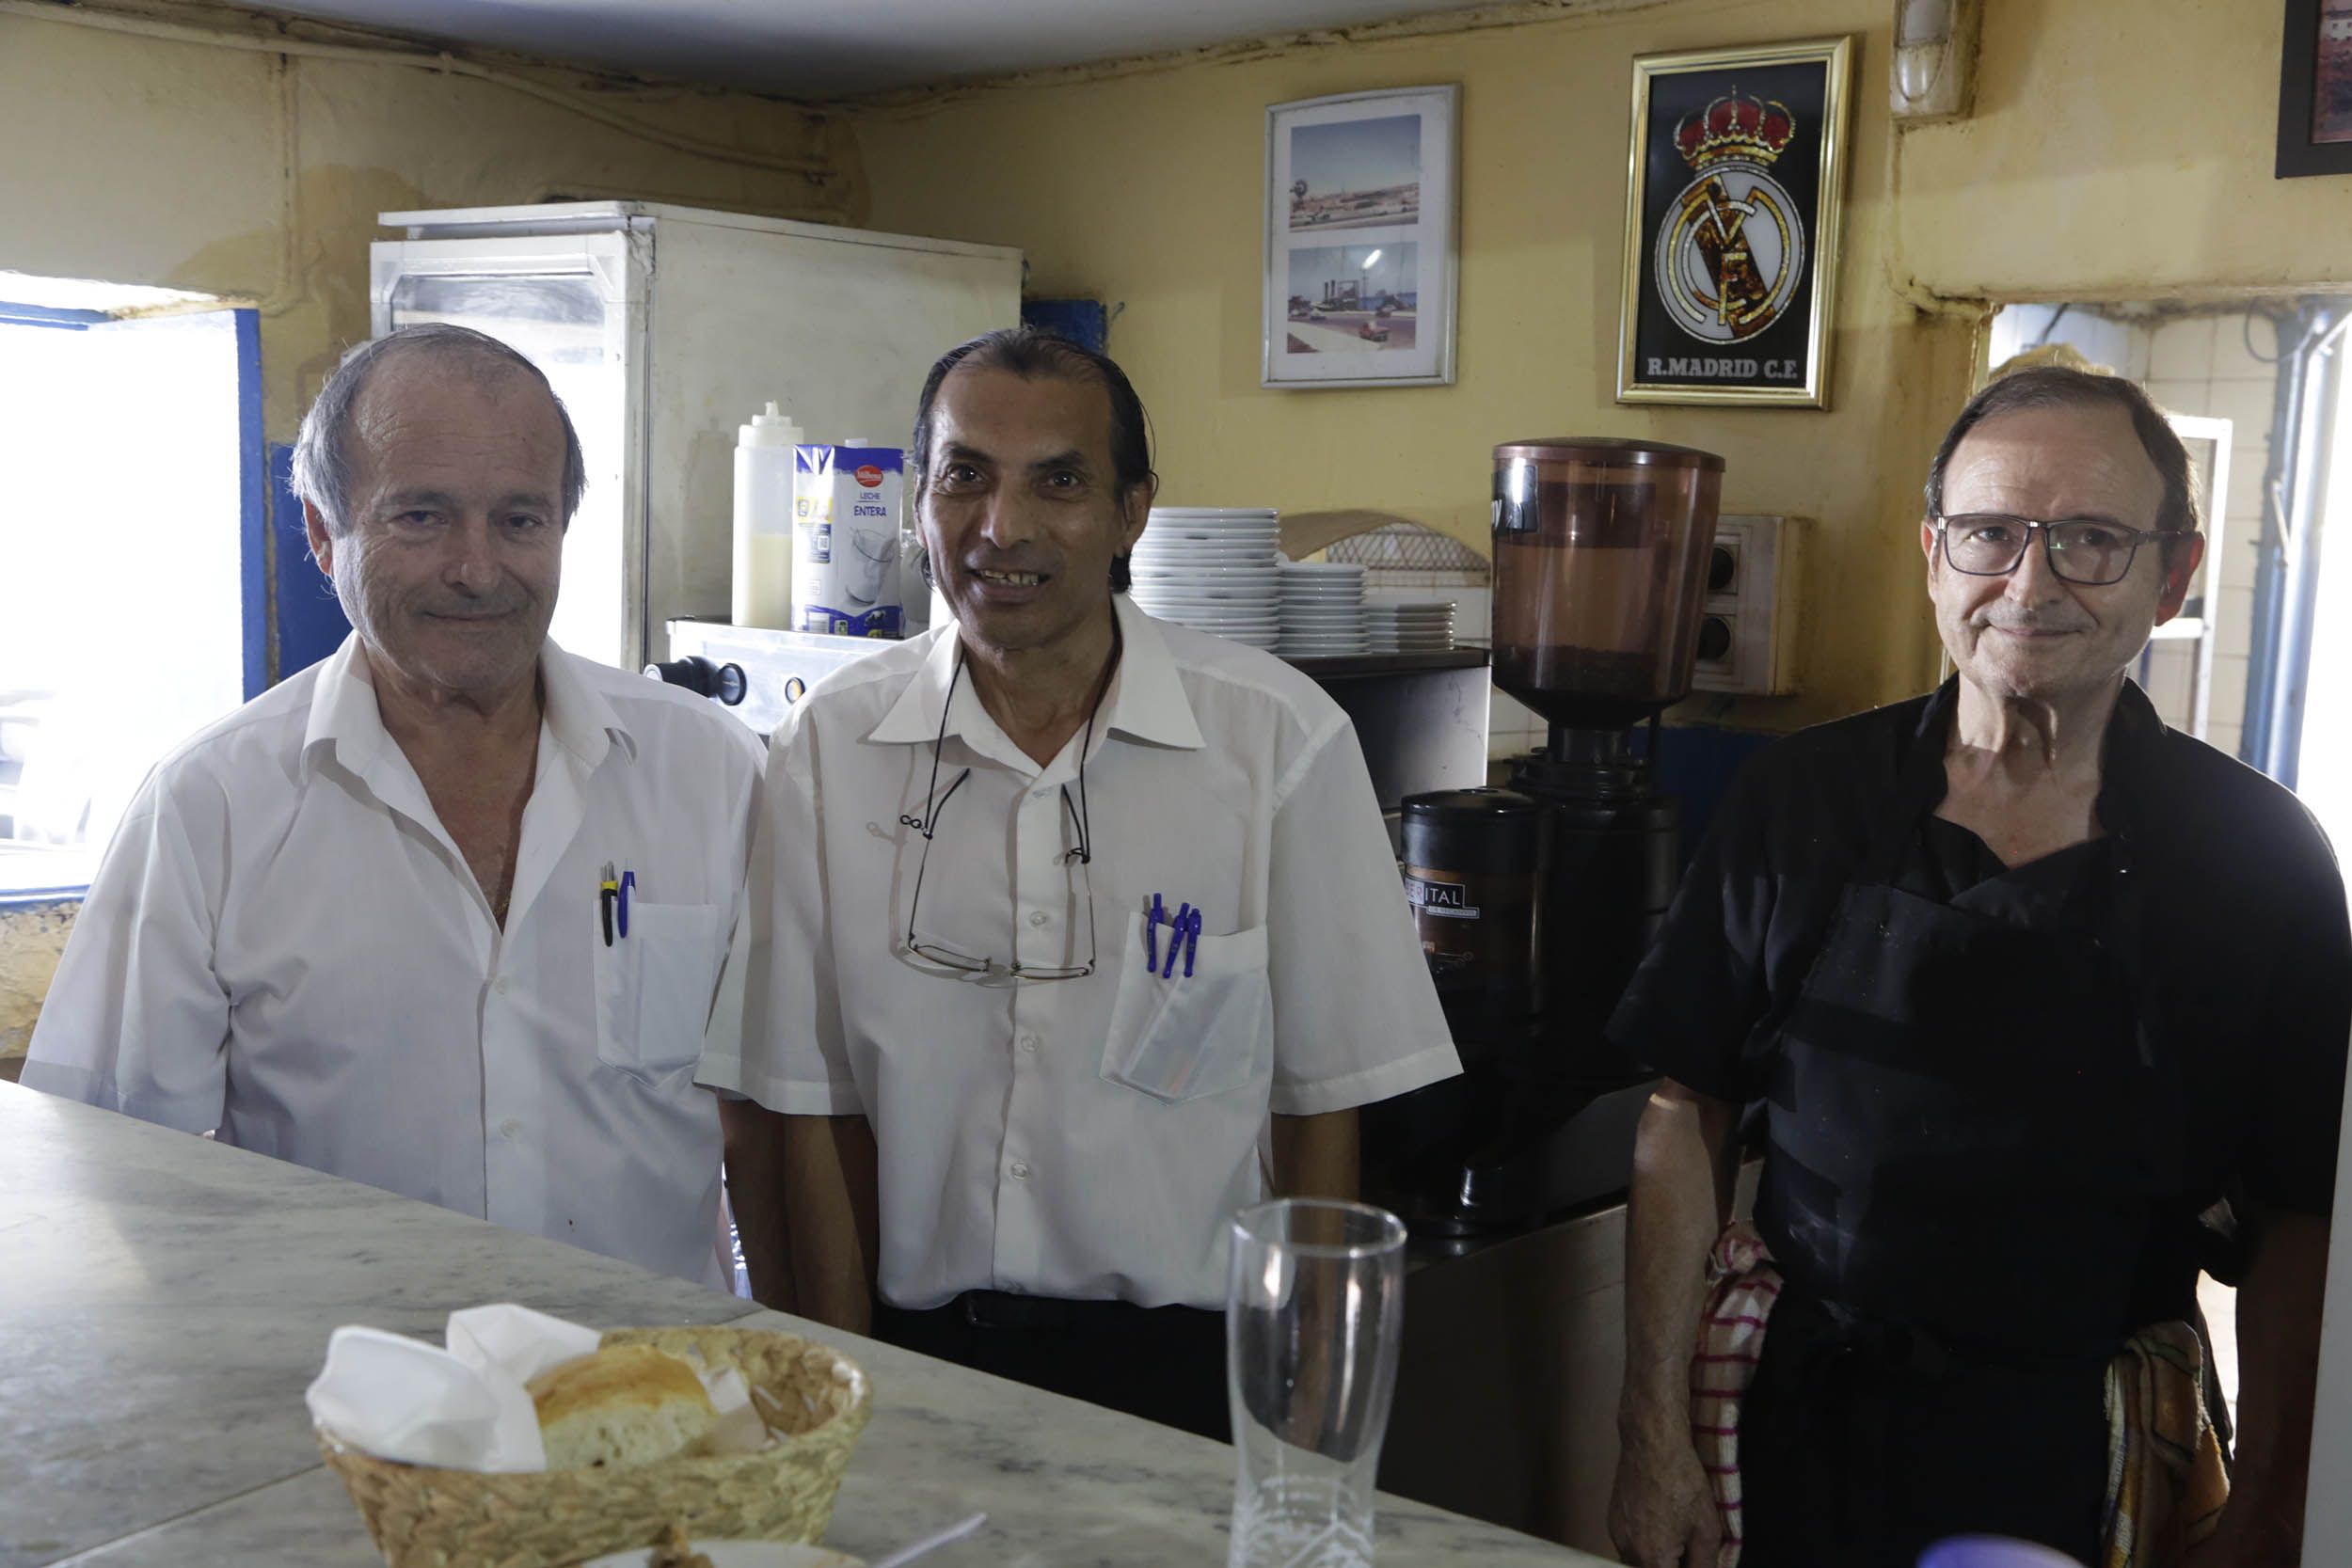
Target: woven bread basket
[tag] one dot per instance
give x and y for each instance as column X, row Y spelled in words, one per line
column 817, row 1403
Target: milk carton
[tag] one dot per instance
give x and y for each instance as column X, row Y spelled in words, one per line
column 848, row 502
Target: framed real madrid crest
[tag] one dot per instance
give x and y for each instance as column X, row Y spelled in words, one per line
column 1731, row 221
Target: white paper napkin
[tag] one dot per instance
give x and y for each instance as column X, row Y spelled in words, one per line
column 466, row 1407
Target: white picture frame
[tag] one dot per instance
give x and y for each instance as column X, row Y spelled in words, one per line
column 1360, row 261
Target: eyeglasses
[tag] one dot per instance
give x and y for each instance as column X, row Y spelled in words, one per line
column 967, row 963
column 927, row 825
column 2080, row 549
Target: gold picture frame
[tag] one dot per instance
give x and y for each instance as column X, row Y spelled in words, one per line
column 1711, row 312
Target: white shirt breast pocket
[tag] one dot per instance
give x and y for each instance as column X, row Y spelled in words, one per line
column 1186, row 1037
column 654, row 987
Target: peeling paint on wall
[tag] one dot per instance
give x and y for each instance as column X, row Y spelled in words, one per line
column 32, row 937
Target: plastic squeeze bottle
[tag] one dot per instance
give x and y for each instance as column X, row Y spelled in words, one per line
column 763, row 519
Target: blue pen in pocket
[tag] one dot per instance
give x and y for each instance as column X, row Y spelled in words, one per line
column 1176, row 931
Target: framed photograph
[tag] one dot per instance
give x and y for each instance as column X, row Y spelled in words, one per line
column 1359, row 240
column 1732, row 206
column 2315, row 89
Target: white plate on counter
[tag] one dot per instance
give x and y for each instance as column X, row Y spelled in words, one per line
column 1221, row 623
column 1192, row 534
column 741, row 1554
column 1201, row 531
column 1199, row 617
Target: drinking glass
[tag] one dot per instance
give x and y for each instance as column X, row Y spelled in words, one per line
column 1314, row 1305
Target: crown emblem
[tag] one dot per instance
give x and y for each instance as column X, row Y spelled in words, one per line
column 1735, row 129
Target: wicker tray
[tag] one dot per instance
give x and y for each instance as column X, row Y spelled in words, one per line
column 818, row 1401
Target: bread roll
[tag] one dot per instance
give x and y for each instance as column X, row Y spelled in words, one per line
column 626, row 1404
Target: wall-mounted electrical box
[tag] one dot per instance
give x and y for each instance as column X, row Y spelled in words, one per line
column 1748, row 631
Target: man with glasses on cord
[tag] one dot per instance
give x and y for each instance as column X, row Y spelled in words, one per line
column 2037, row 1001
column 1083, row 933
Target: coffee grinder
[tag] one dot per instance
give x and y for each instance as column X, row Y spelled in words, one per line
column 1536, row 902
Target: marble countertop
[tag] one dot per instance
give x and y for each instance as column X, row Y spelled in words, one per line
column 164, row 1301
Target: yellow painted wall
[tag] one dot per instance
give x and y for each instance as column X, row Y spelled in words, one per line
column 1146, row 190
column 32, row 937
column 2121, row 148
column 196, row 166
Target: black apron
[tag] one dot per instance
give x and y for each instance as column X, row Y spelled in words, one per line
column 1971, row 1144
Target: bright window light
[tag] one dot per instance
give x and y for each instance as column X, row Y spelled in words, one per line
column 121, row 621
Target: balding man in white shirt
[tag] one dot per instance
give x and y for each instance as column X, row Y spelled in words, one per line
column 451, row 911
column 1017, row 1110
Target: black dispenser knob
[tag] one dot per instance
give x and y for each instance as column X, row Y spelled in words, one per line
column 725, row 683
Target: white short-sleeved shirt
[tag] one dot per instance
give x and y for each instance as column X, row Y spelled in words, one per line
column 284, row 944
column 1080, row 1138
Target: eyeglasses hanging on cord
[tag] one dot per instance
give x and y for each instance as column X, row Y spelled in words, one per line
column 934, row 804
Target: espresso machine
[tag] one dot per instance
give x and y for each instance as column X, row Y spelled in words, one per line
column 1536, row 901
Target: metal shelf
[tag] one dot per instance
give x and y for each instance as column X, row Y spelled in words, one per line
column 1349, row 666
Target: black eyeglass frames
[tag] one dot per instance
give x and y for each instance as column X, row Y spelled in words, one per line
column 927, row 825
column 968, row 963
column 2083, row 550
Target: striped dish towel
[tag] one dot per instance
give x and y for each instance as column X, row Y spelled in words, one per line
column 1743, row 1285
column 2166, row 1482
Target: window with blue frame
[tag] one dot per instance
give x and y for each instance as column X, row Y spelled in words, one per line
column 132, row 568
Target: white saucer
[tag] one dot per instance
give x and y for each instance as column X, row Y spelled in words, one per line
column 739, row 1554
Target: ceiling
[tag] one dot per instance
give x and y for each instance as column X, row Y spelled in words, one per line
column 826, row 49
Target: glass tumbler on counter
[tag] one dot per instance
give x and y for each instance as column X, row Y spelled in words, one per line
column 1314, row 1306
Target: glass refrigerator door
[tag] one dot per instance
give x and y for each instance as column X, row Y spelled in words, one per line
column 572, row 305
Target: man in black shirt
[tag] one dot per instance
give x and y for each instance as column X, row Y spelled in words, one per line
column 2025, row 983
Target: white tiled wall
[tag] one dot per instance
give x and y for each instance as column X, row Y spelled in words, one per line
column 2119, row 344
column 2217, row 364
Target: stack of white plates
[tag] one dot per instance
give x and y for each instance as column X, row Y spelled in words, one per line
column 1412, row 626
column 1323, row 610
column 1211, row 568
